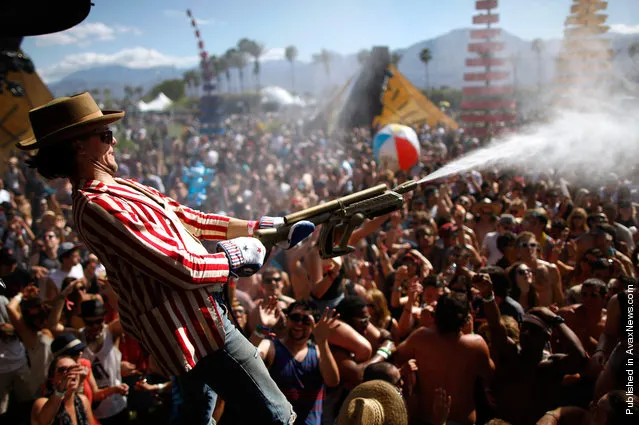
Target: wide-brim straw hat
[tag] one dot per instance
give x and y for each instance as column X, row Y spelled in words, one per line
column 373, row 403
column 485, row 205
column 64, row 118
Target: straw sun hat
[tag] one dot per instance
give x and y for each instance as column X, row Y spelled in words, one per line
column 64, row 118
column 373, row 403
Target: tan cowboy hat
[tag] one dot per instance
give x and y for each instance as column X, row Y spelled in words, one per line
column 64, row 118
column 486, row 204
column 373, row 403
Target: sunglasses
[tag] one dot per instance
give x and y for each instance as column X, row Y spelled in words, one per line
column 300, row 318
column 528, row 245
column 271, row 279
column 93, row 322
column 106, row 137
column 49, row 236
column 524, row 272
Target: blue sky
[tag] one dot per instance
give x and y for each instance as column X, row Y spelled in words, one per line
column 144, row 33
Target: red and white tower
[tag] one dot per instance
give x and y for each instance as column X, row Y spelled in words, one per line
column 208, row 78
column 488, row 104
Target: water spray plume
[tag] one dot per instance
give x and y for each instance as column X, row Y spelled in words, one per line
column 576, row 144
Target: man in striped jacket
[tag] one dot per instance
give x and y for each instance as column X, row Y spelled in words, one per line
column 169, row 286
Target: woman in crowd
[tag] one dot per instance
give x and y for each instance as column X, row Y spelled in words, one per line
column 63, row 405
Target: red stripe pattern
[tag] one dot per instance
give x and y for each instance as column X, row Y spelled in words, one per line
column 165, row 286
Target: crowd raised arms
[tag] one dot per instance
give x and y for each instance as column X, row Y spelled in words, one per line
column 489, row 297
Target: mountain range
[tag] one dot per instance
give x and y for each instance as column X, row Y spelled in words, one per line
column 447, row 67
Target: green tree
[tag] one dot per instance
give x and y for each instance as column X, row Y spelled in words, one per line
column 425, row 56
column 325, row 58
column 238, row 61
column 255, row 50
column 139, row 91
column 173, row 89
column 291, row 55
column 537, row 46
column 395, row 58
column 362, row 56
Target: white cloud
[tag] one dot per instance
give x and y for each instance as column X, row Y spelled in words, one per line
column 624, row 29
column 85, row 34
column 136, row 57
column 273, row 54
column 172, row 13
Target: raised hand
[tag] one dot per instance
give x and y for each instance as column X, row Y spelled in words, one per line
column 326, row 324
column 483, row 284
column 414, row 291
column 441, row 406
column 408, row 372
column 270, row 312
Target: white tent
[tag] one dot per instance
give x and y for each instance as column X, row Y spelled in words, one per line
column 160, row 103
column 275, row 94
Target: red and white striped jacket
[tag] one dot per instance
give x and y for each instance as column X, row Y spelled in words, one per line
column 164, row 278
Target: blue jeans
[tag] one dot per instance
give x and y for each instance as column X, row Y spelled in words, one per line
column 237, row 373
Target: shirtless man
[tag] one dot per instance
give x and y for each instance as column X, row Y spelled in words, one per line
column 453, row 361
column 588, row 319
column 527, row 384
column 547, row 277
column 272, row 285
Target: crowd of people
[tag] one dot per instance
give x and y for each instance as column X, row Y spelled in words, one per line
column 494, row 296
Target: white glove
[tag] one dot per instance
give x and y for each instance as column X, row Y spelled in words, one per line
column 246, row 255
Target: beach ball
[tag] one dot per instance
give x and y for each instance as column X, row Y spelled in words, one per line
column 396, row 147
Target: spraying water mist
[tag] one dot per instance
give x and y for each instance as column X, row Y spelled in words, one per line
column 587, row 143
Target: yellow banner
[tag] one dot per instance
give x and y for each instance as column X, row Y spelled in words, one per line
column 403, row 103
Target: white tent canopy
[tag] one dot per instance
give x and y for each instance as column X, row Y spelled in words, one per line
column 275, row 94
column 160, row 103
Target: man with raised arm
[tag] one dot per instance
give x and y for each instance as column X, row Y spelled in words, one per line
column 527, row 380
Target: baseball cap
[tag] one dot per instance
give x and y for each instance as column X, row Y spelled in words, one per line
column 67, row 345
column 66, row 248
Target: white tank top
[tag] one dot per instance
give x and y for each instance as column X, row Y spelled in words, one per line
column 105, row 365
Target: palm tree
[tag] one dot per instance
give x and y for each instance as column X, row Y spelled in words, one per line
column 291, row 55
column 224, row 68
column 238, row 61
column 362, row 56
column 324, row 57
column 425, row 56
column 538, row 47
column 244, row 46
column 255, row 50
column 395, row 58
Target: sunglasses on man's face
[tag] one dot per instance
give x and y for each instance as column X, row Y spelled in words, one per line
column 528, row 245
column 269, row 280
column 106, row 137
column 301, row 318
